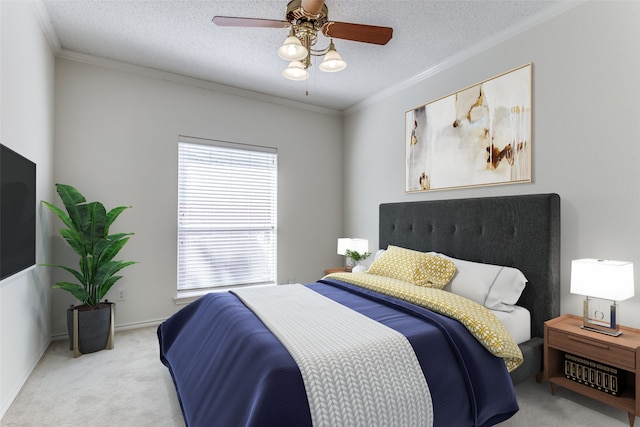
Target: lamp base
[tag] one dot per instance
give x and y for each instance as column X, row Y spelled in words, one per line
column 602, row 330
column 612, row 329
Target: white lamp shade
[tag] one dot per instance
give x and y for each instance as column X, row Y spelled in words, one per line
column 296, row 71
column 357, row 245
column 606, row 279
column 332, row 62
column 343, row 245
column 292, row 49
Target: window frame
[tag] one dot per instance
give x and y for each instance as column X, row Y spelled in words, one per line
column 266, row 220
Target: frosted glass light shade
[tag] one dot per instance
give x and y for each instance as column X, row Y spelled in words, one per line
column 292, row 49
column 296, row 71
column 605, row 279
column 332, row 62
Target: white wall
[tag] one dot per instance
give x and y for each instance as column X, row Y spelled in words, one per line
column 116, row 141
column 26, row 126
column 586, row 135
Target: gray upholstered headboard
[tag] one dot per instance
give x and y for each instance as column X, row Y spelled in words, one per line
column 515, row 231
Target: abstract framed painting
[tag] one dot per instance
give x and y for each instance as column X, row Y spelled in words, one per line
column 478, row 136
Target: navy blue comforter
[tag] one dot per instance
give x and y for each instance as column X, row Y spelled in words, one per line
column 229, row 370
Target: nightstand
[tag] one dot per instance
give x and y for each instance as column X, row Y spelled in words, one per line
column 563, row 335
column 336, row 270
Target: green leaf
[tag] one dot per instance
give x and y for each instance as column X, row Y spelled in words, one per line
column 107, row 285
column 109, row 247
column 76, row 290
column 96, row 225
column 74, row 239
column 78, row 275
column 105, row 278
column 60, row 213
column 356, row 256
column 112, row 215
column 110, row 268
column 73, row 202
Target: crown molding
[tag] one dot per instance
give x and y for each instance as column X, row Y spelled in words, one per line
column 468, row 53
column 45, row 24
column 190, row 81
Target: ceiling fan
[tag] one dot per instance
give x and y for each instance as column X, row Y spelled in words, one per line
column 305, row 18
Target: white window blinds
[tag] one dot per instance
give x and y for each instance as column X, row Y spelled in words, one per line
column 227, row 201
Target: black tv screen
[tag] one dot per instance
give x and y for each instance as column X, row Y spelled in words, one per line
column 17, row 212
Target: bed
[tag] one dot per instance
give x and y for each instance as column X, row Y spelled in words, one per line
column 229, row 368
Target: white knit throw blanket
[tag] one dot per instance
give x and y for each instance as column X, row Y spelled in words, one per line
column 356, row 371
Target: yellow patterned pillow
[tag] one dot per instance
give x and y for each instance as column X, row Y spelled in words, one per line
column 435, row 272
column 415, row 267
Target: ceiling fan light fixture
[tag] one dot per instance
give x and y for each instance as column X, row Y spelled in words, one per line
column 332, row 61
column 305, row 18
column 296, row 71
column 292, row 49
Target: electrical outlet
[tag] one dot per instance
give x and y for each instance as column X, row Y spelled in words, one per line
column 121, row 294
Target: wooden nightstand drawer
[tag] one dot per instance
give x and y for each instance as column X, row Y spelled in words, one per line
column 594, row 349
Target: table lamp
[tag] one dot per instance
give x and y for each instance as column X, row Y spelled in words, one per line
column 356, row 245
column 604, row 279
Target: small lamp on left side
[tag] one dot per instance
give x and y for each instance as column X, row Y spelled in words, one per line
column 361, row 246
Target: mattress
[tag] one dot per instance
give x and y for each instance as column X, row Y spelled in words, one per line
column 517, row 322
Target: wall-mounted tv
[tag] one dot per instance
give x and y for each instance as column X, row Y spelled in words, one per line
column 17, row 212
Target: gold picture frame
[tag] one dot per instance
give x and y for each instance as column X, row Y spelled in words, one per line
column 478, row 136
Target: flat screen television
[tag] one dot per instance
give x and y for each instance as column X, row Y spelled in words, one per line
column 17, row 212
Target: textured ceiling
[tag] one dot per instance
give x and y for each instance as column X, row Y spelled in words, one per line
column 178, row 37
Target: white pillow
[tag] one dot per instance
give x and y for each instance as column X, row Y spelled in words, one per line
column 377, row 255
column 494, row 286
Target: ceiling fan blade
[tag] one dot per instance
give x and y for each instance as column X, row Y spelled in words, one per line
column 234, row 21
column 358, row 32
column 312, row 7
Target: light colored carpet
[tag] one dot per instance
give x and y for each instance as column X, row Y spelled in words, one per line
column 129, row 386
column 126, row 386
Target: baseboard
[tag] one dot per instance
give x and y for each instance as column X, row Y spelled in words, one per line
column 124, row 327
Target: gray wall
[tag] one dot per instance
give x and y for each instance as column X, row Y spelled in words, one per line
column 586, row 135
column 116, row 141
column 26, row 126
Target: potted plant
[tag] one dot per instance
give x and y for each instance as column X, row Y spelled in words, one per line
column 356, row 257
column 91, row 323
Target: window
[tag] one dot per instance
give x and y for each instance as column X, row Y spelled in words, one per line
column 227, row 214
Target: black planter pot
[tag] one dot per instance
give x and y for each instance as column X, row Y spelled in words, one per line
column 90, row 330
